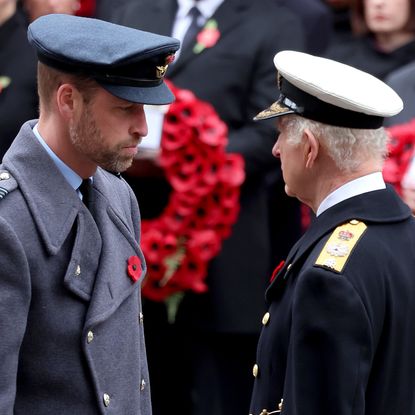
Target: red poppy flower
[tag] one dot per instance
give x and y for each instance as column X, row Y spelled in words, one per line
column 191, row 274
column 174, row 135
column 156, row 292
column 134, row 268
column 233, row 171
column 170, row 59
column 204, row 244
column 207, row 38
column 277, row 269
column 214, row 131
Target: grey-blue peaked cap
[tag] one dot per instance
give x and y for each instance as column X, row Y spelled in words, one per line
column 128, row 63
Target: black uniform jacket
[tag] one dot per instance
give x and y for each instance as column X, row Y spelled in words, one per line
column 339, row 340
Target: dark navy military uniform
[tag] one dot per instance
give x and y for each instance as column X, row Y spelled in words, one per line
column 339, row 339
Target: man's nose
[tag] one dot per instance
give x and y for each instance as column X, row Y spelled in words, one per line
column 139, row 123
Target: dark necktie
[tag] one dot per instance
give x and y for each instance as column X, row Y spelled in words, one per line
column 86, row 189
column 193, row 29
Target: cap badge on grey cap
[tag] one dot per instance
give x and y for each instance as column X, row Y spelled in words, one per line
column 129, row 63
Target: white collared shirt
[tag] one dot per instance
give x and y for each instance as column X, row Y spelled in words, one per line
column 368, row 183
column 182, row 21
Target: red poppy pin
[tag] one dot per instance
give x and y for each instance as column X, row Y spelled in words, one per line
column 277, row 270
column 170, row 59
column 134, row 268
column 208, row 37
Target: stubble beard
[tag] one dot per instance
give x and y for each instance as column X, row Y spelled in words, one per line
column 88, row 139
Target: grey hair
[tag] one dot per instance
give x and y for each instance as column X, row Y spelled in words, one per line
column 348, row 147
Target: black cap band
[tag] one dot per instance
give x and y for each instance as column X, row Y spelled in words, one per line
column 313, row 108
column 99, row 74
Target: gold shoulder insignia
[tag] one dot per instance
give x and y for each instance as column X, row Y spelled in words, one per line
column 340, row 245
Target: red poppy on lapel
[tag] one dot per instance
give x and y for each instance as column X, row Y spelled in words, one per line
column 134, row 268
column 208, row 37
column 277, row 270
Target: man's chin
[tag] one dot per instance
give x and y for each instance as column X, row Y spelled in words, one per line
column 119, row 166
column 289, row 192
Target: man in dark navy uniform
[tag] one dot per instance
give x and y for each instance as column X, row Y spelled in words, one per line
column 338, row 337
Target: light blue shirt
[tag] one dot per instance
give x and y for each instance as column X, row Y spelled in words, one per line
column 72, row 178
column 368, row 183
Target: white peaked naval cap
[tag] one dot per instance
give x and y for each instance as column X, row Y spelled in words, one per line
column 330, row 92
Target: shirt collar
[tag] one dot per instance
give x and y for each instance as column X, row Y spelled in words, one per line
column 364, row 184
column 206, row 7
column 73, row 179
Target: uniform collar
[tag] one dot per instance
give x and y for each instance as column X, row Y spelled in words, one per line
column 73, row 178
column 53, row 203
column 364, row 184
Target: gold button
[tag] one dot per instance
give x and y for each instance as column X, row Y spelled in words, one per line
column 354, row 222
column 89, row 337
column 265, row 319
column 280, row 405
column 106, row 399
column 141, row 318
column 4, row 176
column 255, row 370
column 142, row 385
column 78, row 270
column 264, row 412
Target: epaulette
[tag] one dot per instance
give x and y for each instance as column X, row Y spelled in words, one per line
column 339, row 246
column 7, row 183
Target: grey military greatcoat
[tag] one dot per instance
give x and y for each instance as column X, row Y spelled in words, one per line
column 71, row 335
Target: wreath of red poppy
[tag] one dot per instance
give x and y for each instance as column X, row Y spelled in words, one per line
column 203, row 204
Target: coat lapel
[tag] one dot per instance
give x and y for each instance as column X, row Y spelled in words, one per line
column 56, row 210
column 112, row 283
column 54, row 204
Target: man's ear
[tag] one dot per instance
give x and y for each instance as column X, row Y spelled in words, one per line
column 68, row 100
column 312, row 147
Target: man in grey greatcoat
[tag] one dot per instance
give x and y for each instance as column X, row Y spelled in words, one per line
column 71, row 335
